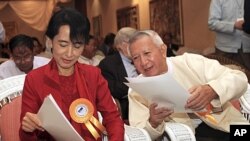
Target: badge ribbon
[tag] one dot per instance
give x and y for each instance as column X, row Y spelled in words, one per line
column 207, row 114
column 81, row 111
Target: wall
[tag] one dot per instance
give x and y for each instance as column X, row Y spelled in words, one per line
column 197, row 37
column 7, row 14
column 107, row 9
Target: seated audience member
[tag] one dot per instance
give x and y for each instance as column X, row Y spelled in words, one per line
column 118, row 66
column 47, row 50
column 38, row 48
column 108, row 44
column 89, row 55
column 207, row 81
column 67, row 80
column 23, row 59
column 4, row 51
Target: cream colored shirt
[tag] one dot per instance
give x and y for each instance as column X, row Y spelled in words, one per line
column 190, row 70
column 9, row 68
column 93, row 61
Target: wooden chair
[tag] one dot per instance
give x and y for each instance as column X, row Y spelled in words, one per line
column 10, row 110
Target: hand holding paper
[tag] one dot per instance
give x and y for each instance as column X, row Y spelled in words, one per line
column 54, row 121
column 162, row 89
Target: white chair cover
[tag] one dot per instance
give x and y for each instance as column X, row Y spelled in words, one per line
column 11, row 85
column 245, row 104
column 179, row 132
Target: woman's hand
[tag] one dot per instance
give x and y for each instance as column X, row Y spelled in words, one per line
column 31, row 122
column 157, row 115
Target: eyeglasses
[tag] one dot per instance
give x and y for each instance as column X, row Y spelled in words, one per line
column 25, row 58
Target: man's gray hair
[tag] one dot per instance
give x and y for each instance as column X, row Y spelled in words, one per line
column 123, row 35
column 150, row 33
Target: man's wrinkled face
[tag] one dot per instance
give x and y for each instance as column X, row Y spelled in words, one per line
column 23, row 58
column 148, row 59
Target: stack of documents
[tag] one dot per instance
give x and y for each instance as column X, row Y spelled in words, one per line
column 55, row 123
column 161, row 89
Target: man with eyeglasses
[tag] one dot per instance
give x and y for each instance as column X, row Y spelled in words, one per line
column 23, row 60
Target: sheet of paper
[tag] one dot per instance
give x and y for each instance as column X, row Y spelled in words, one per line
column 54, row 121
column 162, row 89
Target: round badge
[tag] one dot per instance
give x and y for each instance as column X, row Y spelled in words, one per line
column 81, row 110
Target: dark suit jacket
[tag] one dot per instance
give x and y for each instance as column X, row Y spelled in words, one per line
column 114, row 72
column 246, row 25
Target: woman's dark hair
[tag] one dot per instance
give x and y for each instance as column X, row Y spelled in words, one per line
column 79, row 25
column 21, row 40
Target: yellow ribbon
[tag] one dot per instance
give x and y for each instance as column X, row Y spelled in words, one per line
column 81, row 111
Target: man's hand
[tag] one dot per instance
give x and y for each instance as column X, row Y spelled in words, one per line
column 201, row 96
column 238, row 24
column 31, row 122
column 157, row 115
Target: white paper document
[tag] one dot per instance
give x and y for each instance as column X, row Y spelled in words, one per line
column 162, row 89
column 55, row 123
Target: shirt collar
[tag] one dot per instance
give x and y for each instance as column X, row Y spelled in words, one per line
column 124, row 58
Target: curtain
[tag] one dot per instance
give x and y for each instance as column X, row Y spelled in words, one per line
column 34, row 13
column 3, row 4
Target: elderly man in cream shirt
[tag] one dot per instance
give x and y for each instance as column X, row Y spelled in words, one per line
column 207, row 81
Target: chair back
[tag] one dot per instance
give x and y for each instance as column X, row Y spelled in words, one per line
column 245, row 104
column 178, row 132
column 10, row 107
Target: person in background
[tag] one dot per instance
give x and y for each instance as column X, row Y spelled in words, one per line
column 108, row 44
column 208, row 82
column 2, row 33
column 47, row 50
column 67, row 80
column 226, row 19
column 38, row 48
column 89, row 55
column 246, row 24
column 23, row 59
column 118, row 66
